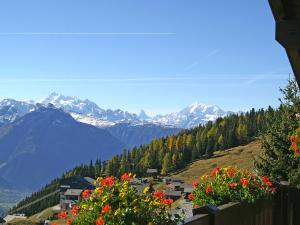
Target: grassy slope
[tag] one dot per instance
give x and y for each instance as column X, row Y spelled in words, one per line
column 242, row 157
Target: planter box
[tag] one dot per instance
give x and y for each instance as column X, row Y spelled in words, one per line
column 262, row 212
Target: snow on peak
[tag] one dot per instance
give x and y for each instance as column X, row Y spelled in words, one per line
column 143, row 116
column 89, row 112
column 88, row 109
column 191, row 116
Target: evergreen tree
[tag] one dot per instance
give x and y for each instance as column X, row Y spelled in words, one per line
column 277, row 160
column 167, row 164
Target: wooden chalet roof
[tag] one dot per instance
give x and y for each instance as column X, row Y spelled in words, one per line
column 287, row 17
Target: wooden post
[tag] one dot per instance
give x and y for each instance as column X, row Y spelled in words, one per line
column 285, row 203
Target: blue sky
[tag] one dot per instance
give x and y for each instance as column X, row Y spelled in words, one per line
column 159, row 55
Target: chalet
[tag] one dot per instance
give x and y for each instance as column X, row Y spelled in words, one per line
column 187, row 190
column 152, row 173
column 174, row 179
column 172, row 194
column 71, row 189
column 175, row 186
column 287, row 18
column 167, row 180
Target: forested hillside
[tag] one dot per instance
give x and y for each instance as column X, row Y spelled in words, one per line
column 168, row 154
column 175, row 152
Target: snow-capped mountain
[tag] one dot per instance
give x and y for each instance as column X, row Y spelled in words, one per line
column 143, row 116
column 10, row 109
column 191, row 116
column 92, row 120
column 85, row 108
column 88, row 112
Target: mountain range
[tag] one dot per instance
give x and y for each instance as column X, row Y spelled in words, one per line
column 41, row 140
column 86, row 111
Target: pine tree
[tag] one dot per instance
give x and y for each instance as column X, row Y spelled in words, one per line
column 277, row 160
column 167, row 164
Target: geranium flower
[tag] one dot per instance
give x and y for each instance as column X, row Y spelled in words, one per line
column 100, row 221
column 230, row 172
column 269, row 183
column 63, row 215
column 74, row 210
column 256, row 183
column 159, row 194
column 244, row 182
column 69, row 221
column 85, row 193
column 126, row 176
column 215, row 171
column 191, row 196
column 108, row 181
column 208, row 189
column 265, row 179
column 168, row 201
column 106, row 208
column 195, row 184
column 232, row 185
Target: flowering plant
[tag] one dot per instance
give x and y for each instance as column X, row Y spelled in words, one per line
column 230, row 185
column 116, row 202
column 295, row 142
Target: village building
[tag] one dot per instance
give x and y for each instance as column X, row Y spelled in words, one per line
column 152, row 173
column 175, row 195
column 71, row 189
column 175, row 186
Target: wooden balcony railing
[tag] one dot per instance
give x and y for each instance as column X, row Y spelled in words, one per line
column 282, row 209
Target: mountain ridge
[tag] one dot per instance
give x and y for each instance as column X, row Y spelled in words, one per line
column 46, row 142
column 86, row 111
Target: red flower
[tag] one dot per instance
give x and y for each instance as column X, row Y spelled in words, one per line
column 69, row 221
column 232, row 185
column 215, row 171
column 269, row 183
column 273, row 190
column 208, row 189
column 256, row 183
column 195, row 184
column 53, row 223
column 106, row 208
column 244, row 182
column 74, row 210
column 292, row 138
column 230, row 172
column 85, row 193
column 294, row 146
column 62, row 215
column 196, row 206
column 108, row 181
column 167, row 201
column 158, row 194
column 126, row 176
column 296, row 138
column 191, row 196
column 265, row 179
column 100, row 221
